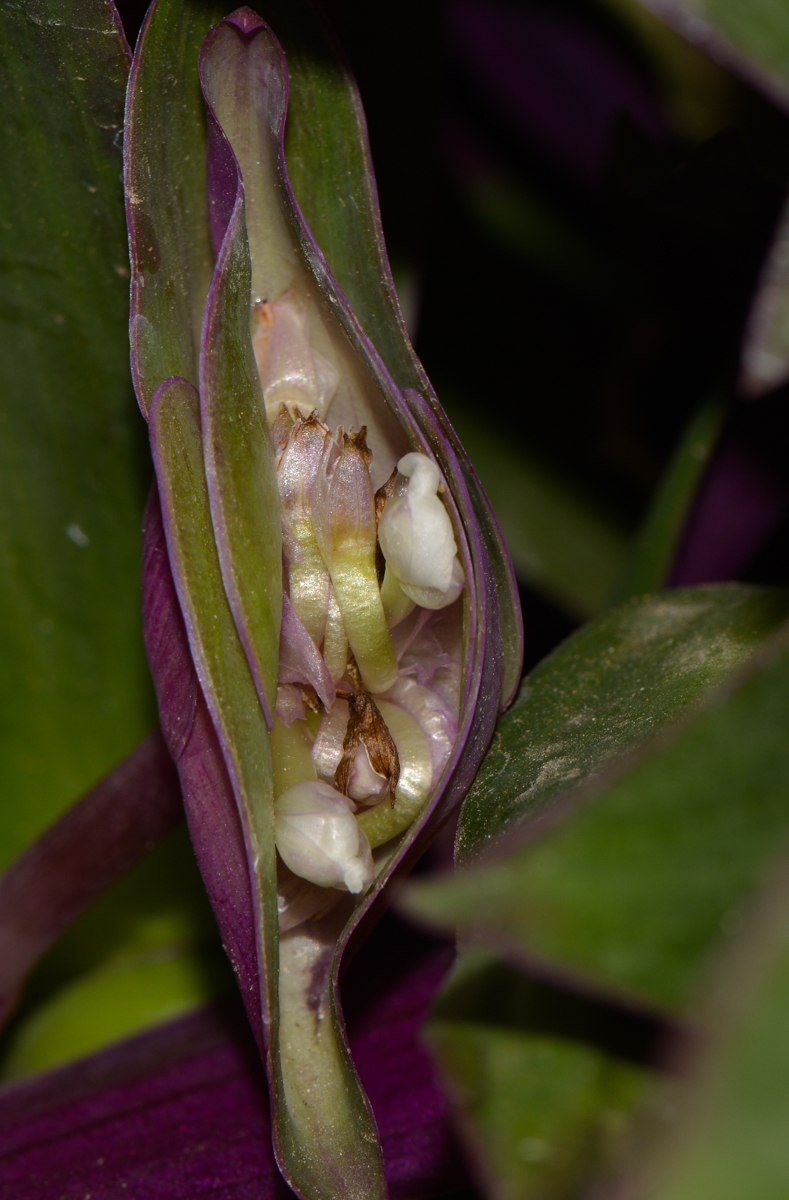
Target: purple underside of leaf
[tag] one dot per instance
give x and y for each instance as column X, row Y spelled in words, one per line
column 92, row 845
column 182, row 1111
column 209, row 803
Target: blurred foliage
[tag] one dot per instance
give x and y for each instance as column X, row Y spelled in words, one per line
column 725, row 1135
column 75, row 695
column 581, row 204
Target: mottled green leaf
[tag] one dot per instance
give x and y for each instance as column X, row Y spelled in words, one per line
column 634, row 886
column 74, row 690
column 613, row 684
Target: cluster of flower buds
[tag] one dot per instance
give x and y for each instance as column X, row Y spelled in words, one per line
column 370, row 650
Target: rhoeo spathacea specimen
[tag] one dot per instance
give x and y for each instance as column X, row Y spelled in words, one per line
column 328, row 607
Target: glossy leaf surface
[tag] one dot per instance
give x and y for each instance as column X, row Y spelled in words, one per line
column 74, row 691
column 616, row 682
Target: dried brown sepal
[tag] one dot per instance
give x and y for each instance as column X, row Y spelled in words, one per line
column 367, row 727
column 358, row 441
column 280, row 430
column 384, row 493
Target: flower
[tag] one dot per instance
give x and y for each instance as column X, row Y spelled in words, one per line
column 304, row 707
column 417, row 540
column 319, row 839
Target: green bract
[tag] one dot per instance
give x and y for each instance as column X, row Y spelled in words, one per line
column 262, row 581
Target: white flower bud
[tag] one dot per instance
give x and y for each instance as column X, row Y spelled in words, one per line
column 318, row 838
column 417, row 539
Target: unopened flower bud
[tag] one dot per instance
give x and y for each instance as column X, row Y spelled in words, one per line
column 343, row 517
column 417, row 539
column 308, row 579
column 291, row 371
column 318, row 838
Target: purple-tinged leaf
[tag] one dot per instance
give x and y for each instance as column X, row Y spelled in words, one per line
column 90, row 846
column 209, row 801
column 740, row 501
column 324, row 1134
column 242, row 485
column 170, row 246
column 226, row 683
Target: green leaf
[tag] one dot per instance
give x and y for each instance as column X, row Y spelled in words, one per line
column 609, row 687
column 166, row 187
column 765, row 350
column 75, row 694
column 239, row 468
column 545, row 1104
column 125, row 995
column 147, row 948
column 726, row 1135
column 751, row 36
column 658, row 541
column 74, row 690
column 633, row 886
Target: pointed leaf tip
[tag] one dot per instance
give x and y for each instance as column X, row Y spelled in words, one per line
column 245, row 20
